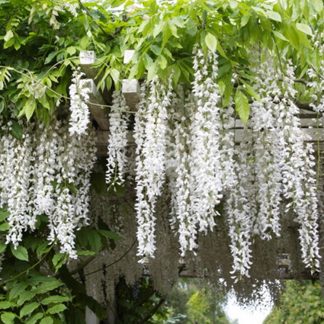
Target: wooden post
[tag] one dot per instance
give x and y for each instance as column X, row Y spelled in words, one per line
column 90, row 317
column 130, row 87
column 131, row 92
column 98, row 113
column 87, row 59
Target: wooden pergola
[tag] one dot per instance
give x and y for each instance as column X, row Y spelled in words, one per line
column 275, row 259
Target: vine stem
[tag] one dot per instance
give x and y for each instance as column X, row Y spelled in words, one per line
column 30, row 268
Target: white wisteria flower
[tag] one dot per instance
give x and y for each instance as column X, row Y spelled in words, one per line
column 151, row 122
column 47, row 171
column 117, row 141
column 205, row 160
column 79, row 96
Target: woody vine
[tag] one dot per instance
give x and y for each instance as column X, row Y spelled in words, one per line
column 203, row 68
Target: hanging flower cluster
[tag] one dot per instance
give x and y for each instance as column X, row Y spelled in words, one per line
column 150, row 137
column 200, row 157
column 179, row 174
column 206, row 170
column 79, row 96
column 184, row 138
column 46, row 172
column 241, row 210
column 275, row 163
column 117, row 141
column 195, row 146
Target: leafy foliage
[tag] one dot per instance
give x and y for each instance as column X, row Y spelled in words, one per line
column 42, row 39
column 194, row 301
column 37, row 287
column 301, row 302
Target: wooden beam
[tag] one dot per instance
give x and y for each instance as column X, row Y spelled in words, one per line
column 131, row 92
column 87, row 59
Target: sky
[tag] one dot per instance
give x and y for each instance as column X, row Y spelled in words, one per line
column 254, row 314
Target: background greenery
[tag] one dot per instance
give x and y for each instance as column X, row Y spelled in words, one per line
column 300, row 302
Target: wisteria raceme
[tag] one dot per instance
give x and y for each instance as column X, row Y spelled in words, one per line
column 241, row 210
column 46, row 172
column 205, row 140
column 150, row 138
column 117, row 141
column 171, row 153
column 182, row 193
column 227, row 148
column 21, row 217
column 299, row 175
column 284, row 165
column 45, row 169
column 79, row 96
column 75, row 160
column 268, row 160
column 86, row 158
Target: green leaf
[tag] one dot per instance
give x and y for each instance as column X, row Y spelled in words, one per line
column 94, row 240
column 42, row 249
column 56, row 309
column 17, row 290
column 17, row 130
column 35, row 318
column 25, row 296
column 48, row 286
column 162, row 62
column 29, row 108
column 242, row 106
column 304, row 28
column 174, row 30
column 245, row 19
column 109, row 235
column 86, row 253
column 58, row 260
column 2, row 103
column 318, row 5
column 47, row 320
column 8, row 318
column 151, row 72
column 4, row 227
column 158, row 28
column 55, row 299
column 3, row 214
column 50, row 57
column 8, row 36
column 20, row 252
column 6, row 304
column 28, row 309
column 274, row 15
column 211, row 41
column 280, row 36
column 71, row 50
column 250, row 90
column 2, row 247
column 156, row 49
column 115, row 75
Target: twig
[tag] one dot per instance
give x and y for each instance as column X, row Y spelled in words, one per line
column 114, row 262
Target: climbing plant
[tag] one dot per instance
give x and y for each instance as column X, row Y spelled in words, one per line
column 204, row 66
